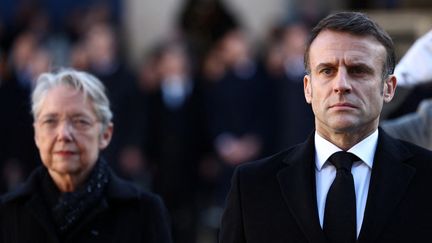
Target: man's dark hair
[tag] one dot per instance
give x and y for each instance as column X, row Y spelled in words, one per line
column 358, row 24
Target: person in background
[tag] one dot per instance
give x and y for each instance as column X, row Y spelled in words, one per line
column 293, row 118
column 75, row 196
column 175, row 130
column 236, row 109
column 350, row 181
column 414, row 74
column 101, row 46
column 411, row 120
column 415, row 127
column 28, row 58
column 415, row 66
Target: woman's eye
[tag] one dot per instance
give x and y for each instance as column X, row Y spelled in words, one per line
column 49, row 121
column 81, row 123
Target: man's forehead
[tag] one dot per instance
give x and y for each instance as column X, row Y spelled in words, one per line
column 347, row 58
column 332, row 46
column 345, row 39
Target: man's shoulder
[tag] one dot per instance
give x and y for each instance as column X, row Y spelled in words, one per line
column 419, row 155
column 268, row 165
column 406, row 152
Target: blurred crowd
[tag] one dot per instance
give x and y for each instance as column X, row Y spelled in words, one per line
column 198, row 104
column 202, row 101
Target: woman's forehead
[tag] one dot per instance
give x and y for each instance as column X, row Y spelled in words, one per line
column 65, row 99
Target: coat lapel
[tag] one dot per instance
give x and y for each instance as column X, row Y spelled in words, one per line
column 297, row 182
column 389, row 181
column 36, row 207
column 36, row 204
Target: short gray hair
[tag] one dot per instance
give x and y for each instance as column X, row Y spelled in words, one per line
column 81, row 81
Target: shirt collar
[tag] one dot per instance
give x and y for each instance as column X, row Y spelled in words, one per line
column 365, row 149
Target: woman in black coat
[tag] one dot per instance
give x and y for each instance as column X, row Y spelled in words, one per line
column 75, row 197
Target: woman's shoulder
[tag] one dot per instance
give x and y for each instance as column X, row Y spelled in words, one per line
column 129, row 198
column 123, row 190
column 23, row 191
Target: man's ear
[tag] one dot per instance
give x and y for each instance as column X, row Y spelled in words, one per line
column 307, row 88
column 389, row 88
column 106, row 136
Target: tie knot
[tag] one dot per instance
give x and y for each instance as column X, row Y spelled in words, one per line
column 343, row 160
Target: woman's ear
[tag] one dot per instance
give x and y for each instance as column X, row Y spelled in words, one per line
column 106, row 136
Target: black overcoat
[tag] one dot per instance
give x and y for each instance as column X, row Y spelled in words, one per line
column 274, row 200
column 125, row 214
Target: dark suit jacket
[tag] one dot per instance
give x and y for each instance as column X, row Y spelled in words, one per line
column 125, row 214
column 274, row 200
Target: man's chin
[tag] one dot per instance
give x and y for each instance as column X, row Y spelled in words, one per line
column 346, row 127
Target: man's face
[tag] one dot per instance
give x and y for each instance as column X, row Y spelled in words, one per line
column 68, row 133
column 345, row 86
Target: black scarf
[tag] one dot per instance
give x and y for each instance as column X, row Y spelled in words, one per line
column 69, row 208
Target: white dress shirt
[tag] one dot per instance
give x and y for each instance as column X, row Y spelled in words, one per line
column 325, row 172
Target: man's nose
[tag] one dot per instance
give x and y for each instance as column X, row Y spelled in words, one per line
column 342, row 82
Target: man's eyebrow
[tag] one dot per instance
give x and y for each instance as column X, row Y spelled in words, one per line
column 323, row 65
column 364, row 66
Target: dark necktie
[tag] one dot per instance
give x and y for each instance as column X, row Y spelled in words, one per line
column 340, row 209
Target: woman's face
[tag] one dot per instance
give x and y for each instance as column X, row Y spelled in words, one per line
column 68, row 133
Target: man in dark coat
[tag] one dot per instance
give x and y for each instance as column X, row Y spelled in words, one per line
column 381, row 194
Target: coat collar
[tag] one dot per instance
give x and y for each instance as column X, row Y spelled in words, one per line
column 29, row 194
column 117, row 188
column 297, row 182
column 389, row 181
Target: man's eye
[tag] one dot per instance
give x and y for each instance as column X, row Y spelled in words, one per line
column 326, row 71
column 357, row 70
column 361, row 70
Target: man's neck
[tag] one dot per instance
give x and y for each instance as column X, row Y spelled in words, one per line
column 345, row 140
